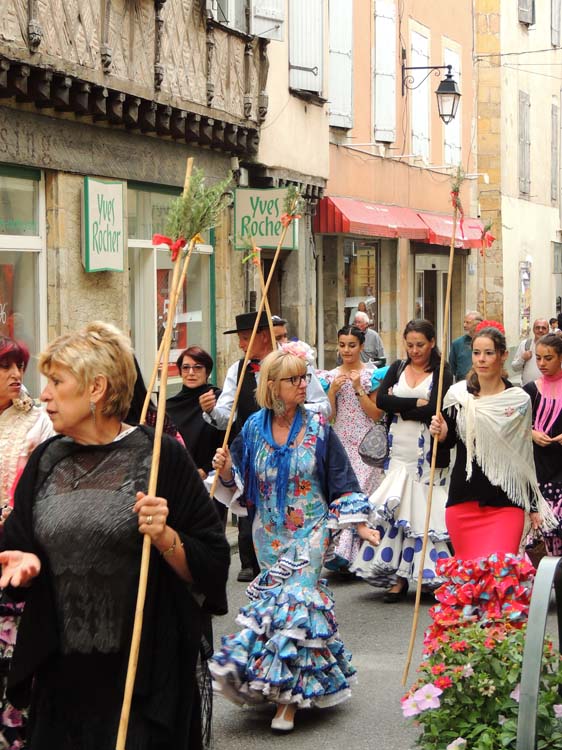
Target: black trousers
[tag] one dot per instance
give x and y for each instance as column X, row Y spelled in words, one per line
column 246, row 550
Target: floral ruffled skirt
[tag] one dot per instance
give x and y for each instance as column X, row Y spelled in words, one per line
column 12, row 721
column 288, row 650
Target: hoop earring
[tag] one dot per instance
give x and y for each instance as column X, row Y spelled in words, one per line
column 278, row 406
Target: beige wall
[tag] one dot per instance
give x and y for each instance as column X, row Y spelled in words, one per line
column 294, row 135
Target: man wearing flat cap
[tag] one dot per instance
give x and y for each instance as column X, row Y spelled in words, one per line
column 217, row 412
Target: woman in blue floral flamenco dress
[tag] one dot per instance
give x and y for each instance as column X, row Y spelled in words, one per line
column 289, row 471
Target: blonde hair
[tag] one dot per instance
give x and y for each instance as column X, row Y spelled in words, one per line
column 277, row 365
column 98, row 349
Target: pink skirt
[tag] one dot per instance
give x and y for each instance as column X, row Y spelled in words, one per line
column 479, row 531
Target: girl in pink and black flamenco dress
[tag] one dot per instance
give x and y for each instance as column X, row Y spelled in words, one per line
column 546, row 400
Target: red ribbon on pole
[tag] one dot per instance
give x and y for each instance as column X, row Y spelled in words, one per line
column 456, row 202
column 175, row 247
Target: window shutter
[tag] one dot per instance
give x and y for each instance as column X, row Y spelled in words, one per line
column 420, row 96
column 268, row 19
column 554, row 153
column 524, row 143
column 385, row 71
column 217, row 10
column 340, row 91
column 305, row 45
column 555, row 22
column 452, row 151
column 527, row 11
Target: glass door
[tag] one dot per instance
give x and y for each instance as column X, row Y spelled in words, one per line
column 431, row 274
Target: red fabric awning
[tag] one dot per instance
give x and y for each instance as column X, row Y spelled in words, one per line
column 440, row 228
column 350, row 216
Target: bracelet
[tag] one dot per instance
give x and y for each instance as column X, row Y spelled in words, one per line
column 172, row 548
column 360, row 393
column 230, row 483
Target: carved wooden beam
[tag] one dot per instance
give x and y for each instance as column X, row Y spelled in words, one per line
column 79, row 97
column 4, row 87
column 248, row 64
column 192, row 128
column 163, row 116
column 242, row 140
column 60, row 92
column 98, row 102
column 147, row 116
column 131, row 111
column 34, row 30
column 106, row 53
column 253, row 142
column 40, row 88
column 178, row 122
column 115, row 102
column 18, row 79
column 231, row 138
column 158, row 29
column 210, row 64
column 206, row 131
column 218, row 134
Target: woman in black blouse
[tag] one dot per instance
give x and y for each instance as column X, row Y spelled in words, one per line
column 546, row 399
column 73, row 542
column 493, row 482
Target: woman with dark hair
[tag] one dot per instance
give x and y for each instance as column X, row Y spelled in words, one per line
column 22, row 427
column 493, row 483
column 352, row 394
column 201, row 438
column 546, row 400
column 408, row 394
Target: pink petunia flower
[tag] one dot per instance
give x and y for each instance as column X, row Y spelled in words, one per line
column 428, row 696
column 410, row 707
column 457, row 744
column 467, row 670
column 558, row 710
column 515, row 693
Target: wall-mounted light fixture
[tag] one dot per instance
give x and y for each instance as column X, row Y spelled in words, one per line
column 447, row 93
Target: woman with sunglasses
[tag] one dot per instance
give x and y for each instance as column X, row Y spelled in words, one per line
column 290, row 473
column 201, row 439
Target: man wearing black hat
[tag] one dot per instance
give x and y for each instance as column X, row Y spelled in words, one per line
column 217, row 412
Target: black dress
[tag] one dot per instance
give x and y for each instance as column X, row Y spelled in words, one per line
column 73, row 508
column 548, row 463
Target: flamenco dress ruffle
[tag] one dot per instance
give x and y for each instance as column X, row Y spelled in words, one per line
column 288, row 650
column 488, row 590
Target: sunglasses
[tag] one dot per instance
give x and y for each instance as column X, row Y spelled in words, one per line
column 192, row 368
column 298, row 379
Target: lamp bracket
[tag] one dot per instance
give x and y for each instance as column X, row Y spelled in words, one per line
column 409, row 80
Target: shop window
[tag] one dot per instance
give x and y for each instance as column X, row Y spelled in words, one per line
column 361, row 278
column 22, row 262
column 150, row 275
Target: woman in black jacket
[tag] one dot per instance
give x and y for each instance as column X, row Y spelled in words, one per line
column 408, row 394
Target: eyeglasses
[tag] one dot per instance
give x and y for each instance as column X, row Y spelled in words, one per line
column 192, row 368
column 298, row 379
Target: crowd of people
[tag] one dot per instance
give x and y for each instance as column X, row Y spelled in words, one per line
column 75, row 507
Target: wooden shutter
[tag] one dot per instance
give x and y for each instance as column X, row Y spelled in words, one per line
column 217, row 10
column 555, row 22
column 419, row 103
column 527, row 11
column 385, row 71
column 524, row 143
column 554, row 153
column 268, row 19
column 340, row 91
column 305, row 45
column 452, row 150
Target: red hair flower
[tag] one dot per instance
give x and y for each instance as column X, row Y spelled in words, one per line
column 490, row 324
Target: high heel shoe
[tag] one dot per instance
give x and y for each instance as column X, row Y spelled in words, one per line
column 391, row 597
column 281, row 723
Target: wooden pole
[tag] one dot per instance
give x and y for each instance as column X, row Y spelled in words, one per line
column 154, row 375
column 263, row 293
column 485, row 296
column 435, row 445
column 248, row 350
column 152, row 484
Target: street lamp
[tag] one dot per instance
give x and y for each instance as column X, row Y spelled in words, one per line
column 448, row 94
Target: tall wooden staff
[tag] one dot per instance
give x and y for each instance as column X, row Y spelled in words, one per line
column 208, row 203
column 457, row 208
column 292, row 208
column 254, row 257
column 486, row 240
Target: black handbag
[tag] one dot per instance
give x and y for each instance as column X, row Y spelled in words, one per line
column 373, row 449
column 536, row 547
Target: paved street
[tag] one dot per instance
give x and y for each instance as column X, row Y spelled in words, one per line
column 377, row 635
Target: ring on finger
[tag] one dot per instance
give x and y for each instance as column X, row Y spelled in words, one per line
column 149, row 520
